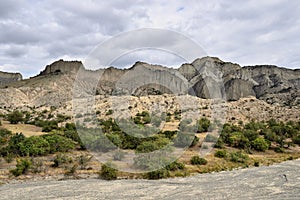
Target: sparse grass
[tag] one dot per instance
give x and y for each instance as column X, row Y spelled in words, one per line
column 27, row 129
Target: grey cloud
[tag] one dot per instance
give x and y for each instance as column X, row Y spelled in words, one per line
column 246, row 32
column 16, row 51
column 8, row 8
column 17, row 33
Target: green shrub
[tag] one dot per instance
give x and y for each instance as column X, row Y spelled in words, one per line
column 37, row 165
column 34, row 146
column 158, row 174
column 296, row 139
column 149, row 146
column 71, row 170
column 238, row 140
column 210, row 138
column 59, row 143
column 238, row 156
column 221, row 153
column 219, row 144
column 14, row 145
column 196, row 160
column 279, row 150
column 108, row 173
column 4, row 136
column 203, row 125
column 9, row 157
column 260, row 144
column 256, row 164
column 22, row 167
column 175, row 166
column 169, row 134
column 60, row 160
column 83, row 161
column 15, row 117
column 109, row 112
column 250, row 134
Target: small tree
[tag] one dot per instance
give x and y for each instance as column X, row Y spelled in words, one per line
column 158, row 174
column 15, row 117
column 196, row 160
column 260, row 144
column 108, row 173
column 22, row 167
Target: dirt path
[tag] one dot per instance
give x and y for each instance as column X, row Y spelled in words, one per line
column 280, row 181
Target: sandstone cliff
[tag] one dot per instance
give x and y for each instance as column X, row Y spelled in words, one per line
column 7, row 78
column 206, row 77
column 62, row 66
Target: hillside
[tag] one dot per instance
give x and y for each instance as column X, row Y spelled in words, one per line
column 206, row 78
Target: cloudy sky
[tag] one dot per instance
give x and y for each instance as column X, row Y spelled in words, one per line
column 35, row 33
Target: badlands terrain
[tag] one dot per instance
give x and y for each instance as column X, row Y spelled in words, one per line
column 218, row 115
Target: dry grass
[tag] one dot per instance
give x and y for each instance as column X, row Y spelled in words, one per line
column 27, row 129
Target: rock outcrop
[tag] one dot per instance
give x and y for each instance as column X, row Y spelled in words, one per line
column 206, row 77
column 62, row 67
column 7, row 78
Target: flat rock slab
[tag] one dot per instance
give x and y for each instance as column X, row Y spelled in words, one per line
column 281, row 181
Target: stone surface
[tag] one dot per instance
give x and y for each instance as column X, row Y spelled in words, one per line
column 7, row 78
column 281, row 181
column 62, row 66
column 207, row 77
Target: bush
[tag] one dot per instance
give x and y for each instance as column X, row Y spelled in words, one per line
column 256, row 164
column 211, row 138
column 108, row 173
column 175, row 166
column 169, row 134
column 238, row 140
column 15, row 117
column 59, row 143
column 219, row 144
column 14, row 145
column 279, row 150
column 158, row 174
column 238, row 156
column 83, row 161
column 149, row 146
column 4, row 136
column 22, row 167
column 296, row 139
column 196, row 160
column 221, row 153
column 37, row 165
column 34, row 146
column 203, row 125
column 71, row 170
column 260, row 144
column 60, row 160
column 109, row 112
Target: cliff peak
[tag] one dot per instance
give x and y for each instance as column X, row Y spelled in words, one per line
column 62, row 67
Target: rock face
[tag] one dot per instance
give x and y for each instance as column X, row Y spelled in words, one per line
column 62, row 67
column 270, row 83
column 7, row 78
column 206, row 77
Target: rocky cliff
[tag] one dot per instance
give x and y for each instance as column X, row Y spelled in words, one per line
column 206, row 77
column 7, row 78
column 62, row 67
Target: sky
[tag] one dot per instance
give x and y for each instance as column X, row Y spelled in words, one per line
column 34, row 34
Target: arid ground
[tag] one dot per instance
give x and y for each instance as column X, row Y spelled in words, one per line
column 280, row 181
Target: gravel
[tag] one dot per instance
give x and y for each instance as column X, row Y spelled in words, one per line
column 281, row 181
